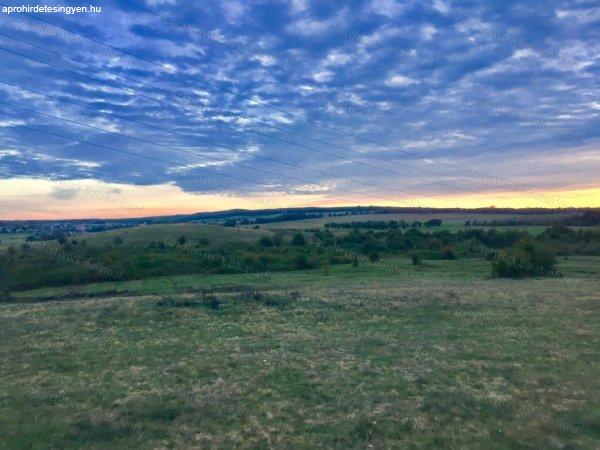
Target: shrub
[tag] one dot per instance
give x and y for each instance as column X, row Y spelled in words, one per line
column 298, row 240
column 448, row 252
column 528, row 258
column 416, row 260
column 118, row 241
column 182, row 240
column 5, row 295
column 325, row 266
column 278, row 239
column 373, row 256
column 265, row 241
column 302, row 262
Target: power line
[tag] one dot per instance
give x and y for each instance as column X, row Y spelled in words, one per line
column 204, row 141
column 241, row 126
column 165, row 67
column 194, row 30
column 178, row 150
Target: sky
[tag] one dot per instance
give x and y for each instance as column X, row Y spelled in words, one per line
column 154, row 107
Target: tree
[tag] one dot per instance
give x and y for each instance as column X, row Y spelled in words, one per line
column 528, row 258
column 265, row 241
column 325, row 266
column 302, row 262
column 298, row 240
column 373, row 256
column 5, row 294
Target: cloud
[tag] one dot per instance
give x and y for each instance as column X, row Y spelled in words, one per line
column 440, row 6
column 387, row 8
column 9, row 152
column 583, row 15
column 293, row 58
column 428, row 32
column 336, row 58
column 233, row 10
column 63, row 194
column 323, row 76
column 400, row 81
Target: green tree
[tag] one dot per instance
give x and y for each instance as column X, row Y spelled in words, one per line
column 373, row 256
column 528, row 258
column 265, row 241
column 299, row 240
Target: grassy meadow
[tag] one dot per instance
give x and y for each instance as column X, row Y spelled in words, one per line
column 359, row 353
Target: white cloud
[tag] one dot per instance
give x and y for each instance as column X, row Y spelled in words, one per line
column 579, row 15
column 299, row 5
column 233, row 9
column 10, row 123
column 337, row 58
column 9, row 152
column 66, row 161
column 400, row 81
column 440, row 6
column 308, row 27
column 428, row 31
column 323, row 75
column 523, row 53
column 388, row 8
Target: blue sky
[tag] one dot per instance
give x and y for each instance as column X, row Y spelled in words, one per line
column 440, row 103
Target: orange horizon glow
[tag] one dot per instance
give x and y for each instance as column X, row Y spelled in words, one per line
column 40, row 199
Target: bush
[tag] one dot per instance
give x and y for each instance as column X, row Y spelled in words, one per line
column 5, row 295
column 448, row 252
column 528, row 258
column 298, row 240
column 325, row 266
column 302, row 262
column 265, row 241
column 373, row 256
column 416, row 260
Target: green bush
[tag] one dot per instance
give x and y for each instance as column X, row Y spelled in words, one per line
column 528, row 258
column 265, row 241
column 298, row 240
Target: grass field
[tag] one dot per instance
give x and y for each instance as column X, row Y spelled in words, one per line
column 355, row 358
column 7, row 240
column 450, row 221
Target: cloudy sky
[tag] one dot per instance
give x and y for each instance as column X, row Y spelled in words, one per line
column 160, row 106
